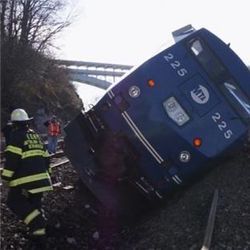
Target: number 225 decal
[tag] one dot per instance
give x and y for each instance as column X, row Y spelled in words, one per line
column 222, row 125
column 175, row 64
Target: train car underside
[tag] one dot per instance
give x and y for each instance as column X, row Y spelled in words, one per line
column 106, row 164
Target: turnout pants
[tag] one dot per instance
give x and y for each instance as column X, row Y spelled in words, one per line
column 28, row 208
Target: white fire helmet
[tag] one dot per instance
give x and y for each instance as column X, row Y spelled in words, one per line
column 19, row 115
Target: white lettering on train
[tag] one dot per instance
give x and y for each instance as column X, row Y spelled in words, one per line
column 222, row 125
column 175, row 64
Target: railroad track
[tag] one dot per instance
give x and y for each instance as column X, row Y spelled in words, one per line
column 59, row 163
column 210, row 223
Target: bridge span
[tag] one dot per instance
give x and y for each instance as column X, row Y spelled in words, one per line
column 100, row 75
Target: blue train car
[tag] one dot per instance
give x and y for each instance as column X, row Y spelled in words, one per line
column 165, row 122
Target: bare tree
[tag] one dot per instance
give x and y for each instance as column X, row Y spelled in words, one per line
column 32, row 22
column 29, row 78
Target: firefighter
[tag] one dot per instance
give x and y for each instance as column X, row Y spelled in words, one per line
column 54, row 130
column 27, row 174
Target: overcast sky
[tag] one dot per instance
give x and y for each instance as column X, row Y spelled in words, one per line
column 130, row 31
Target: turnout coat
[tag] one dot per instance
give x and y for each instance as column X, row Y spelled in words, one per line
column 27, row 162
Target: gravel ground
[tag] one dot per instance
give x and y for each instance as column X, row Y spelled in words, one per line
column 179, row 223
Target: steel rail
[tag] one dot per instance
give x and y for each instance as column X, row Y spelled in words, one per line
column 210, row 223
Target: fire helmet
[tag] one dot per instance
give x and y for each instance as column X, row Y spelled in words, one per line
column 19, row 115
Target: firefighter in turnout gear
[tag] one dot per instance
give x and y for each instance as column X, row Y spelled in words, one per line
column 27, row 174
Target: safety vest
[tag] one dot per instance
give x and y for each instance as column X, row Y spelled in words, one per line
column 54, row 128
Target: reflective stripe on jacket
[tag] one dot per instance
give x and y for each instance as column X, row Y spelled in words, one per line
column 27, row 162
column 54, row 128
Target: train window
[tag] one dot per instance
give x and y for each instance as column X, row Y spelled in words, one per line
column 237, row 98
column 196, row 47
column 207, row 59
column 218, row 73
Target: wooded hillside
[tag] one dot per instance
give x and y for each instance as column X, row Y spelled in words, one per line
column 29, row 78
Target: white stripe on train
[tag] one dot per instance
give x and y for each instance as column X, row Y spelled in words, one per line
column 138, row 133
column 143, row 140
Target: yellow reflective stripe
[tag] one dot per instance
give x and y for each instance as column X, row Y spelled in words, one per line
column 40, row 231
column 30, row 217
column 7, row 173
column 39, row 190
column 32, row 153
column 13, row 149
column 27, row 179
column 46, row 154
column 50, row 170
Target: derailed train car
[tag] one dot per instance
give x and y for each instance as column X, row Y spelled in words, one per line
column 165, row 123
